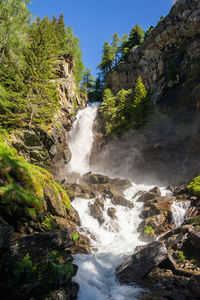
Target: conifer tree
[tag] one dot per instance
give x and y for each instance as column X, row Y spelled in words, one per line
column 107, row 59
column 140, row 102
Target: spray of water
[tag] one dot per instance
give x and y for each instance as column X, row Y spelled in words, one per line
column 179, row 209
column 81, row 139
column 115, row 239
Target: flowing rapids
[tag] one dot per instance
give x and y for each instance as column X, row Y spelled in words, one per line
column 179, row 209
column 115, row 239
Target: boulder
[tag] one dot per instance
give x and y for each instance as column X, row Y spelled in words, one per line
column 137, row 266
column 146, row 197
column 111, row 212
column 96, row 211
column 119, row 200
column 156, row 190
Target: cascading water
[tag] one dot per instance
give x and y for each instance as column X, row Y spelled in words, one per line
column 114, row 239
column 179, row 209
column 81, row 139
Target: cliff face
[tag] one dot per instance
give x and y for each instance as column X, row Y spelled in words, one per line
column 168, row 148
column 169, row 57
column 47, row 147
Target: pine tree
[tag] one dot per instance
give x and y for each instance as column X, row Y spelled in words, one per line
column 14, row 17
column 60, row 31
column 88, row 81
column 107, row 59
column 116, row 46
column 140, row 102
column 123, row 103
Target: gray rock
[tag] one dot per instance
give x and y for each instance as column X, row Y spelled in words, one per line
column 137, row 266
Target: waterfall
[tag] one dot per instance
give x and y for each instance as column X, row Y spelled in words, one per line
column 114, row 239
column 179, row 209
column 81, row 139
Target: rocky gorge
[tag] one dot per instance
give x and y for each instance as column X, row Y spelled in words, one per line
column 87, row 216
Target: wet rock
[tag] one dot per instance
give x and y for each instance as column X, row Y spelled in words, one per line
column 137, row 266
column 111, row 212
column 118, row 200
column 156, row 190
column 100, row 202
column 96, row 212
column 146, row 197
column 171, row 188
column 181, row 189
column 106, row 185
column 76, row 190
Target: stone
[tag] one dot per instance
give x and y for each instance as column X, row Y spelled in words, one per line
column 118, row 200
column 96, row 212
column 156, row 190
column 146, row 197
column 111, row 212
column 137, row 266
column 54, row 202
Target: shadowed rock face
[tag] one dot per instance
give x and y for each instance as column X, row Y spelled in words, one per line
column 167, row 149
column 140, row 264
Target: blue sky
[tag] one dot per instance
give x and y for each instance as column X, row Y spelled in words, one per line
column 95, row 21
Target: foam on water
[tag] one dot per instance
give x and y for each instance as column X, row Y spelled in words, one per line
column 179, row 209
column 114, row 239
column 81, row 139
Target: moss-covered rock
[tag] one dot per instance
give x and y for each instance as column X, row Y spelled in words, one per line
column 28, row 193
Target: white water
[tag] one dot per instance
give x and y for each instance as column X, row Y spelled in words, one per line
column 114, row 239
column 81, row 139
column 179, row 209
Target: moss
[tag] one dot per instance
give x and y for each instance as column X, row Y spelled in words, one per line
column 194, row 186
column 149, row 230
column 75, row 237
column 24, row 185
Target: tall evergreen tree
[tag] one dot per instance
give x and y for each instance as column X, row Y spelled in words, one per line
column 107, row 59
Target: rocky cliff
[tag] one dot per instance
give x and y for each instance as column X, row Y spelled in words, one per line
column 46, row 146
column 168, row 62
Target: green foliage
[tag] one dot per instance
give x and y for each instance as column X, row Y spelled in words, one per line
column 181, row 255
column 28, row 57
column 107, row 59
column 194, row 186
column 149, row 230
column 58, row 267
column 88, row 82
column 75, row 237
column 23, row 191
column 125, row 109
column 23, row 266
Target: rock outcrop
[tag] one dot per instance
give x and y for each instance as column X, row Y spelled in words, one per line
column 168, row 62
column 48, row 147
